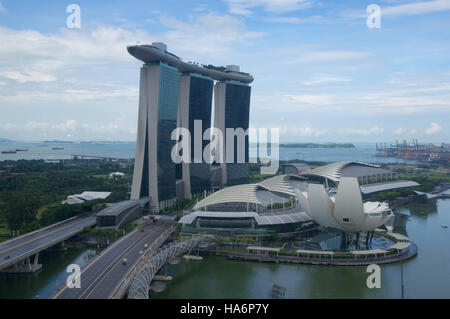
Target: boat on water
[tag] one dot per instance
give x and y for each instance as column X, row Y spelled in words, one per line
column 21, row 149
column 58, row 148
column 9, row 152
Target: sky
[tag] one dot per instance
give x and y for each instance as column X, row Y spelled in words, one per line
column 321, row 73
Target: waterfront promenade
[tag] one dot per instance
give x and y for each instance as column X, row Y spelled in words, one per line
column 317, row 259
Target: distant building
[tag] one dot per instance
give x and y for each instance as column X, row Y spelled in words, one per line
column 295, row 168
column 119, row 214
column 116, row 174
column 84, row 197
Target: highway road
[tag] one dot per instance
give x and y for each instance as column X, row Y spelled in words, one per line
column 18, row 249
column 101, row 277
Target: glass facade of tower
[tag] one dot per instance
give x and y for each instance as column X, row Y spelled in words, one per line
column 237, row 112
column 169, row 84
column 200, row 101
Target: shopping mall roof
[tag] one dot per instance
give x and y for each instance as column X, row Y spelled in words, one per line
column 336, row 171
column 279, row 184
column 263, row 219
column 248, row 193
column 386, row 186
column 245, row 193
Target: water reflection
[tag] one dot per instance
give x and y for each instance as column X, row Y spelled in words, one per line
column 44, row 282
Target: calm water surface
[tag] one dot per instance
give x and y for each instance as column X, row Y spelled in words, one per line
column 43, row 283
column 363, row 152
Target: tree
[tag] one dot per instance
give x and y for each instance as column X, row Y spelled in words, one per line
column 21, row 212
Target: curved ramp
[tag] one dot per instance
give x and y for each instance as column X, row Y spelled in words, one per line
column 141, row 281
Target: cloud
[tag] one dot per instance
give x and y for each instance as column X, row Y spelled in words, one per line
column 244, row 7
column 206, row 36
column 88, row 75
column 43, row 57
column 8, row 126
column 2, row 8
column 311, row 99
column 324, row 56
column 69, row 92
column 55, row 57
column 416, row 8
column 320, row 79
column 68, row 126
column 28, row 76
column 433, row 129
column 400, row 131
column 374, row 100
column 299, row 130
column 73, row 129
column 374, row 130
column 408, row 9
column 297, row 20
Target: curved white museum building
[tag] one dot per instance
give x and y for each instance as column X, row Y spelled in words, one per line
column 329, row 196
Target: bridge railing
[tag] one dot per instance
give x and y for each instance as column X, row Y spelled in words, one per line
column 144, row 273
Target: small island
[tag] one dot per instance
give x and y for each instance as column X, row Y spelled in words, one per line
column 317, row 145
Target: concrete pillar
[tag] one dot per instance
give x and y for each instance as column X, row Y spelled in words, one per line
column 36, row 258
column 28, row 263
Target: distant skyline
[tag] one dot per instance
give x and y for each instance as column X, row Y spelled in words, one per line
column 321, row 75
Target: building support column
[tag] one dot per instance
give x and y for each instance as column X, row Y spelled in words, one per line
column 367, row 239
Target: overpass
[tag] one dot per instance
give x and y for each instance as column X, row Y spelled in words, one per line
column 85, row 156
column 15, row 253
column 105, row 276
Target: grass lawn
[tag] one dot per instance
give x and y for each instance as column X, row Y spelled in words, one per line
column 100, row 175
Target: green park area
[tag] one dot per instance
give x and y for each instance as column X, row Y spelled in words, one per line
column 32, row 192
